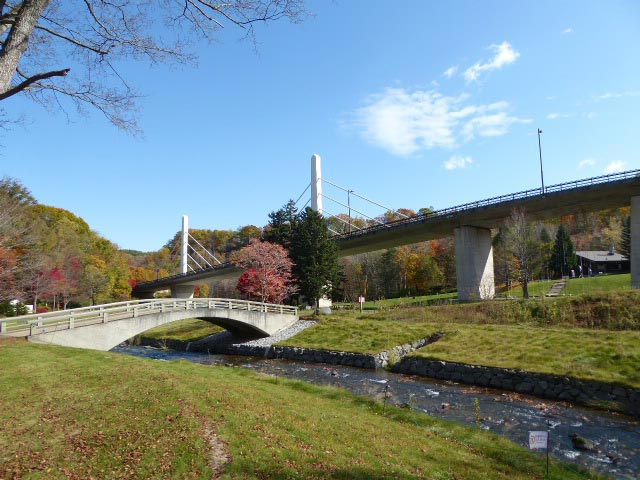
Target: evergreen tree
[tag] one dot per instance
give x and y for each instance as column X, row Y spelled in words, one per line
column 315, row 254
column 563, row 257
column 281, row 225
column 625, row 241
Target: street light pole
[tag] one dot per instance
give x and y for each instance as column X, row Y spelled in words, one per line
column 540, row 151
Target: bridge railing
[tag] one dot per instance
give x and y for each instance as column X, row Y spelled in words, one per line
column 77, row 317
column 450, row 211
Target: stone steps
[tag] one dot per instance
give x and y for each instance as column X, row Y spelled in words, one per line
column 556, row 289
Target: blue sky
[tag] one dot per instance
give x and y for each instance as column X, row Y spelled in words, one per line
column 410, row 103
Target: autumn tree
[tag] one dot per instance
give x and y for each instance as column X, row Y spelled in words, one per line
column 399, row 214
column 55, row 50
column 342, row 223
column 443, row 251
column 267, row 271
column 15, row 237
column 419, row 270
column 546, row 251
column 521, row 243
column 389, row 272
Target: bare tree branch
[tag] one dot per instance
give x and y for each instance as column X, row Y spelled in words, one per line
column 72, row 40
column 38, row 34
column 31, row 80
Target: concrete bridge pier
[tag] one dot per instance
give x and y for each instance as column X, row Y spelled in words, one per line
column 474, row 263
column 635, row 242
column 182, row 291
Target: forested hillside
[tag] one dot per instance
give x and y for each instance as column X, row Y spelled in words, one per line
column 51, row 259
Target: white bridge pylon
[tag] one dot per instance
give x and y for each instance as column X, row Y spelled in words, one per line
column 317, row 197
column 201, row 258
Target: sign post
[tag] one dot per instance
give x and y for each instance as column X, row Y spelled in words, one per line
column 540, row 439
column 361, row 301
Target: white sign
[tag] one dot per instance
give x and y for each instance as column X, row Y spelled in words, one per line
column 538, row 439
column 361, row 299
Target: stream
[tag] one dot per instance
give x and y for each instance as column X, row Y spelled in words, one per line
column 616, row 437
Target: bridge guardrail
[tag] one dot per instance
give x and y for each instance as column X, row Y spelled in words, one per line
column 450, row 211
column 67, row 319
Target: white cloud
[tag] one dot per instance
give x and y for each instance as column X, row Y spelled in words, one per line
column 591, row 115
column 404, row 122
column 457, row 162
column 567, row 30
column 490, row 124
column 504, row 55
column 556, row 115
column 610, row 95
column 587, row 162
column 614, row 167
column 450, row 72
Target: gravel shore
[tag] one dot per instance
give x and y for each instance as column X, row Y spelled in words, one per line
column 227, row 339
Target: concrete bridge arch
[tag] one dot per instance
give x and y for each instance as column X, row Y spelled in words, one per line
column 103, row 327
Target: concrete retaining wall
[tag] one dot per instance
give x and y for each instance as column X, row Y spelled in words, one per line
column 360, row 360
column 554, row 387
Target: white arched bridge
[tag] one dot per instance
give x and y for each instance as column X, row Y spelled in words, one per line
column 102, row 327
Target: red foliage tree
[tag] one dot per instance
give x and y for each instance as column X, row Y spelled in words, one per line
column 267, row 275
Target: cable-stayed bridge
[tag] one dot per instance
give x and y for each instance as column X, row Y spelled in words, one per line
column 469, row 223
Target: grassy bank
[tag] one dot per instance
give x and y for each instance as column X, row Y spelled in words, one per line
column 103, row 415
column 363, row 333
column 187, row 330
column 591, row 336
column 606, row 356
column 383, row 304
column 612, row 311
column 577, row 286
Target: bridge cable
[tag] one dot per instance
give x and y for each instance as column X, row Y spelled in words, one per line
column 194, row 261
column 204, row 248
column 365, row 198
column 357, row 211
column 201, row 257
column 331, row 215
column 305, row 191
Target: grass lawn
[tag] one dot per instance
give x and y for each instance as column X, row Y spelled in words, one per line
column 188, row 330
column 102, row 415
column 601, row 283
column 577, row 286
column 356, row 332
column 608, row 356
